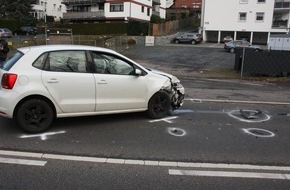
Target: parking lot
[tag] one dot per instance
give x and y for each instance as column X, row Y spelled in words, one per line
column 208, row 72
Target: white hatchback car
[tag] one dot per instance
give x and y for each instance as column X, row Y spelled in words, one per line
column 42, row 83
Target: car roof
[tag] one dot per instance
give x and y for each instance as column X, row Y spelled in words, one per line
column 46, row 48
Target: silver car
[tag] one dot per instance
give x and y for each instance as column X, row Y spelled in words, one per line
column 192, row 38
column 231, row 46
column 5, row 33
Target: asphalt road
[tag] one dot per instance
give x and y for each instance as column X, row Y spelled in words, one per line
column 230, row 134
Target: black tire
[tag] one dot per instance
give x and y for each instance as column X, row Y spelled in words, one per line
column 193, row 42
column 176, row 41
column 232, row 50
column 34, row 115
column 159, row 105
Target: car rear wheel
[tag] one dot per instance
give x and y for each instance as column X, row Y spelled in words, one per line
column 159, row 105
column 34, row 115
column 193, row 42
column 232, row 50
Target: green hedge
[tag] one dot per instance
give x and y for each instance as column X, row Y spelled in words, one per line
column 11, row 24
column 94, row 28
column 133, row 28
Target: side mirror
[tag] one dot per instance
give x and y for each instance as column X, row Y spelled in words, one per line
column 138, row 72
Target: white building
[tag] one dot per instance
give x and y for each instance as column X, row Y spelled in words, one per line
column 254, row 20
column 113, row 10
column 43, row 8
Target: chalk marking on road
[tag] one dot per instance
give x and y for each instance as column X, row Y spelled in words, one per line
column 230, row 174
column 267, row 135
column 42, row 136
column 167, row 119
column 183, row 111
column 22, row 162
column 231, row 113
column 236, row 101
column 147, row 162
column 176, row 131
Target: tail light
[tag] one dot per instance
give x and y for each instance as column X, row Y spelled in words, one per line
column 8, row 80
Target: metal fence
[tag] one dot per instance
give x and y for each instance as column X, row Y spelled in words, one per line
column 264, row 63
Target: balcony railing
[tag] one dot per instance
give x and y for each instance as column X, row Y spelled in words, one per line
column 84, row 15
column 283, row 5
column 70, row 2
column 280, row 24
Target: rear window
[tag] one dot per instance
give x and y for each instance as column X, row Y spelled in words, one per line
column 11, row 61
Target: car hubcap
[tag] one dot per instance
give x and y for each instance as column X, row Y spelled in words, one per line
column 160, row 105
column 35, row 116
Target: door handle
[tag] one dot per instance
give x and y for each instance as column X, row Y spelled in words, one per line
column 53, row 80
column 102, row 82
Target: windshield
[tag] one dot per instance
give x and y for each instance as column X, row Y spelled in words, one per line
column 11, row 61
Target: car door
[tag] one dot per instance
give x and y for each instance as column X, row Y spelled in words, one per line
column 68, row 82
column 117, row 87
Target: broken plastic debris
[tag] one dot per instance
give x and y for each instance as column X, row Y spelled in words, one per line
column 250, row 114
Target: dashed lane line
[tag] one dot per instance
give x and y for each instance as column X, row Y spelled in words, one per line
column 230, row 174
column 237, row 101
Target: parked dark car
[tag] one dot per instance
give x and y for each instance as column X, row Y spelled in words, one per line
column 234, row 44
column 5, row 33
column 193, row 38
column 26, row 30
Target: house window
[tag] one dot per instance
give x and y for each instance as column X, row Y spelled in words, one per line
column 242, row 16
column 261, row 1
column 243, row 1
column 259, row 16
column 184, row 6
column 148, row 12
column 116, row 7
column 142, row 9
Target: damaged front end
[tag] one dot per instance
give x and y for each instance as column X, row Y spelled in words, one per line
column 175, row 90
column 177, row 95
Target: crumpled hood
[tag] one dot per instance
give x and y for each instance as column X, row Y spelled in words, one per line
column 173, row 78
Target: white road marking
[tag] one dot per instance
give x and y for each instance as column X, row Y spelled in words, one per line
column 236, row 101
column 230, row 174
column 22, row 161
column 146, row 162
column 42, row 136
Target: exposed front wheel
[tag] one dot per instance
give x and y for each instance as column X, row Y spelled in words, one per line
column 34, row 115
column 159, row 105
column 176, row 41
column 193, row 42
